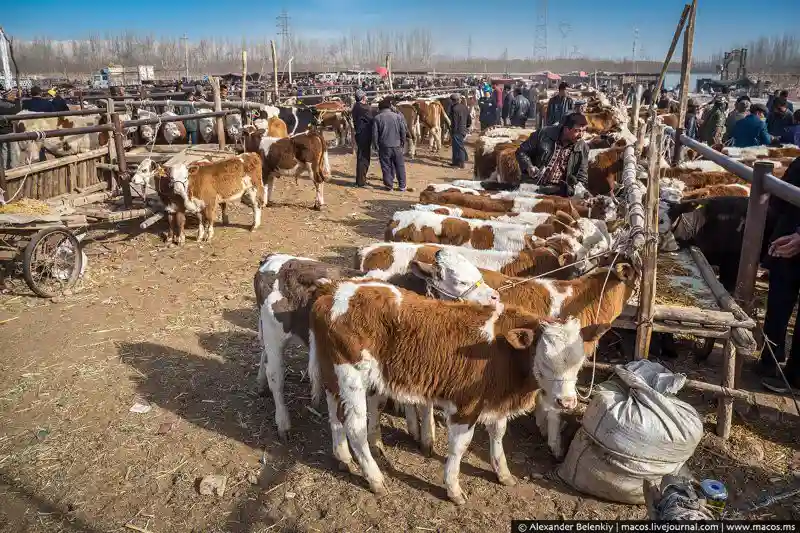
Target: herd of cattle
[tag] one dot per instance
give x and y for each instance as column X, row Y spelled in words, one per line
column 484, row 303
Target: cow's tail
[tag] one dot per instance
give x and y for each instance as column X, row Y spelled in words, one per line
column 324, row 163
column 445, row 118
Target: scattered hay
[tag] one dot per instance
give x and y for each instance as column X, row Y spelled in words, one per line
column 26, row 206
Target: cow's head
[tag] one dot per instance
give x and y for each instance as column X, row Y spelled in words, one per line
column 205, row 126
column 679, row 222
column 453, row 277
column 180, row 186
column 233, row 126
column 558, row 356
column 145, row 171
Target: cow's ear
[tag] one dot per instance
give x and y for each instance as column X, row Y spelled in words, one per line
column 625, row 271
column 423, row 270
column 594, row 332
column 566, row 219
column 521, row 338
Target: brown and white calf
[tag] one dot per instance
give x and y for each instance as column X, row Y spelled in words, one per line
column 713, row 191
column 598, row 297
column 306, row 153
column 150, row 174
column 284, row 287
column 599, row 207
column 431, row 118
column 411, row 115
column 427, row 227
column 384, row 260
column 205, row 186
column 479, row 363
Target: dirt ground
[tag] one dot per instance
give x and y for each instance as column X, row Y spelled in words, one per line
column 175, row 329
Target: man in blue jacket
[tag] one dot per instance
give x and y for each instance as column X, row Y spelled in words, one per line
column 37, row 103
column 389, row 132
column 752, row 129
column 362, row 123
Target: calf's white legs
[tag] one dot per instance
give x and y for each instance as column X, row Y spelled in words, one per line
column 427, row 429
column 498, row 457
column 374, row 402
column 353, row 397
column 319, row 201
column 458, row 440
column 340, row 448
column 549, row 423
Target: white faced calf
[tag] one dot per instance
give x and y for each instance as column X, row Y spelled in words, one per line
column 479, row 363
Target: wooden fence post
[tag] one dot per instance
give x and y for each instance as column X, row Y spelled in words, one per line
column 751, row 245
column 389, row 71
column 647, row 289
column 218, row 107
column 244, row 75
column 274, row 69
column 637, row 102
column 122, row 175
column 686, row 71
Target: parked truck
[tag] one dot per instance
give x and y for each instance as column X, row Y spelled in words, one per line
column 114, row 76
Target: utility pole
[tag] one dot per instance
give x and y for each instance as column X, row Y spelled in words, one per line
column 185, row 40
column 540, row 42
column 469, row 48
column 633, row 55
column 283, row 29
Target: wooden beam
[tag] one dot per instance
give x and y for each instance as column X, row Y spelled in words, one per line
column 647, row 289
column 244, row 75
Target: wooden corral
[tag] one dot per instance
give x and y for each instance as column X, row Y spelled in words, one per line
column 47, row 179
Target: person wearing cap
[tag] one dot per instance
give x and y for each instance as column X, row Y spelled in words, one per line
column 779, row 118
column 520, row 109
column 37, row 103
column 752, row 129
column 738, row 113
column 362, row 126
column 559, row 105
column 647, row 95
column 713, row 127
column 508, row 96
column 771, row 98
column 192, row 126
column 389, row 131
column 460, row 121
column 59, row 104
column 557, row 157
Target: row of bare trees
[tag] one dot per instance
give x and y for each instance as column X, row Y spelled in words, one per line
column 778, row 54
column 411, row 50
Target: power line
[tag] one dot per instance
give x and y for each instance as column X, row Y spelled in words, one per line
column 283, row 28
column 540, row 42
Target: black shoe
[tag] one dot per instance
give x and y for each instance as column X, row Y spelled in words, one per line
column 386, row 188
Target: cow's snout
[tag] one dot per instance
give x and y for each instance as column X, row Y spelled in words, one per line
column 567, row 403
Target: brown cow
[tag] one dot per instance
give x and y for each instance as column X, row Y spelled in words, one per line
column 304, row 153
column 487, row 363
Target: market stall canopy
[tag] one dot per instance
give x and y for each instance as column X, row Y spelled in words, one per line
column 382, row 71
column 551, row 76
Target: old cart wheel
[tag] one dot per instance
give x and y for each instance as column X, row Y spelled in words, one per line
column 52, row 261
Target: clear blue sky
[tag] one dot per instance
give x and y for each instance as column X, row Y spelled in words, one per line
column 599, row 29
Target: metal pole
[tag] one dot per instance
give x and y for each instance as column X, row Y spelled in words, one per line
column 244, row 75
column 637, row 102
column 218, row 107
column 185, row 40
column 274, row 69
column 122, row 176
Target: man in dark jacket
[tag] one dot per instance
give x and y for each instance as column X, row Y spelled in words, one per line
column 389, row 132
column 59, row 104
column 779, row 118
column 37, row 103
column 559, row 105
column 752, row 129
column 508, row 96
column 362, row 123
column 556, row 157
column 460, row 122
column 488, row 111
column 785, row 95
column 783, row 261
column 647, row 95
column 520, row 109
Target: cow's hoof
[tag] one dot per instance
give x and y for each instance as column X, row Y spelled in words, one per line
column 507, row 480
column 283, row 436
column 349, row 466
column 379, row 489
column 318, row 207
column 427, row 451
column 457, row 498
column 226, row 221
